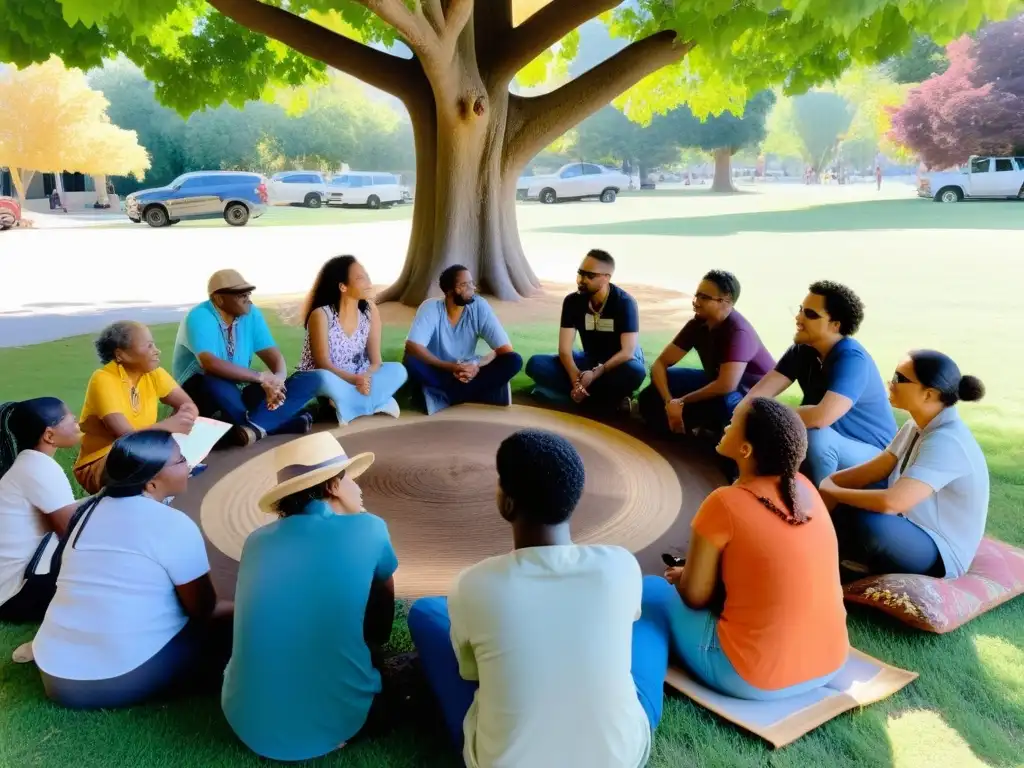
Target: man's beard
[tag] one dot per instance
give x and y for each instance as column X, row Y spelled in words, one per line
column 460, row 301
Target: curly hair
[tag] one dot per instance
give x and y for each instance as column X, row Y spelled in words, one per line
column 779, row 440
column 294, row 503
column 542, row 473
column 446, row 280
column 726, row 282
column 326, row 290
column 114, row 337
column 842, row 305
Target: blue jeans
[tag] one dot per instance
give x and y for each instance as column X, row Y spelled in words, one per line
column 609, row 390
column 489, row 387
column 694, row 641
column 431, row 634
column 828, row 452
column 886, row 543
column 711, row 414
column 348, row 403
column 247, row 406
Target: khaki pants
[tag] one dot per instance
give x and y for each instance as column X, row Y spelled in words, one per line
column 90, row 476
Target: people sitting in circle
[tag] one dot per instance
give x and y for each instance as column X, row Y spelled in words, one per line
column 36, row 500
column 921, row 505
column 537, row 657
column 213, row 357
column 845, row 406
column 441, row 348
column 342, row 345
column 689, row 401
column 610, row 368
column 123, row 395
column 314, row 603
column 767, row 541
column 134, row 612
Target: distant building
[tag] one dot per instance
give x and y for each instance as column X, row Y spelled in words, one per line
column 77, row 190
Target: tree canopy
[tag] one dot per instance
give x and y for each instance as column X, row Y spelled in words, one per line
column 61, row 125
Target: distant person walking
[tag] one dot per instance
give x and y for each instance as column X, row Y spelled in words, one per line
column 878, row 171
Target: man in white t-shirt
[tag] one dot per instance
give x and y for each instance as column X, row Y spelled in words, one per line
column 543, row 662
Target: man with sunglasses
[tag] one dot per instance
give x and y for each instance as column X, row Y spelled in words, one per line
column 610, row 368
column 212, row 361
column 733, row 359
column 845, row 406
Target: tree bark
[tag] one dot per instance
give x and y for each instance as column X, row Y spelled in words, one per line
column 21, row 182
column 723, row 171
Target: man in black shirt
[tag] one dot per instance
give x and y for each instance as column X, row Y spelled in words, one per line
column 611, row 366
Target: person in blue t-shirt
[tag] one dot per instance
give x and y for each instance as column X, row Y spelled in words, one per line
column 845, row 406
column 212, row 362
column 611, row 366
column 314, row 604
column 440, row 350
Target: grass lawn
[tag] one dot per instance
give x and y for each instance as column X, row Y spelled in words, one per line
column 966, row 709
column 298, row 216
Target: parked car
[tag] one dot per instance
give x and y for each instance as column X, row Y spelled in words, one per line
column 574, row 181
column 372, row 189
column 982, row 177
column 306, row 187
column 237, row 196
column 10, row 213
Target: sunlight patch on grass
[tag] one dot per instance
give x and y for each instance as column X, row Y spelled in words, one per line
column 923, row 738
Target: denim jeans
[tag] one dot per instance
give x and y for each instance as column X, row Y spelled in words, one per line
column 247, row 406
column 430, row 629
column 711, row 414
column 828, row 452
column 886, row 543
column 349, row 403
column 609, row 390
column 441, row 389
column 693, row 637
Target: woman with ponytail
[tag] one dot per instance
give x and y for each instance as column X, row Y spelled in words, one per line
column 134, row 601
column 36, row 500
column 921, row 505
column 767, row 542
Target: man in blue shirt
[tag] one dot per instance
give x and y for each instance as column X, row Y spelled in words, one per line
column 845, row 406
column 440, row 350
column 611, row 366
column 212, row 362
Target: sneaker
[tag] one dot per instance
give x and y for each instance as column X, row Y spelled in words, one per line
column 390, row 408
column 23, row 654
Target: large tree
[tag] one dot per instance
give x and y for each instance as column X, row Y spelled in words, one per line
column 472, row 135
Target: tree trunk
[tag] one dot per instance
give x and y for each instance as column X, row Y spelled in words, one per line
column 21, row 182
column 723, row 171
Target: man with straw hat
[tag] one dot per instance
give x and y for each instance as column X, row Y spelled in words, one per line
column 314, row 601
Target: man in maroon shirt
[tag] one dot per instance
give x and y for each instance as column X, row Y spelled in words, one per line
column 733, row 359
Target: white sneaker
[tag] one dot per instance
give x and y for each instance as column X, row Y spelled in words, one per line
column 23, row 654
column 390, row 408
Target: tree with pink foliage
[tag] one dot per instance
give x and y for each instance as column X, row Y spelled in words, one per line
column 976, row 107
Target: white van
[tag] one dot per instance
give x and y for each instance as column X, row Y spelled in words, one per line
column 374, row 190
column 306, row 188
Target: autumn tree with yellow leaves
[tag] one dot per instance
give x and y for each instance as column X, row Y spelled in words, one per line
column 61, row 124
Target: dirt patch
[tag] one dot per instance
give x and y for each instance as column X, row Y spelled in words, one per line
column 660, row 309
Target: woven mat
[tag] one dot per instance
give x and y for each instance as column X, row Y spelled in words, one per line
column 434, row 481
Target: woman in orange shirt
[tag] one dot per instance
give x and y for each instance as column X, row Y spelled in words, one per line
column 767, row 541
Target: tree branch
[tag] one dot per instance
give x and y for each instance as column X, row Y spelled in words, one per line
column 457, row 14
column 381, row 70
column 545, row 28
column 536, row 122
column 413, row 26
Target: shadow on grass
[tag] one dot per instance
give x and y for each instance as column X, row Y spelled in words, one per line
column 872, row 215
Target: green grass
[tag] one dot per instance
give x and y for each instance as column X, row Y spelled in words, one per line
column 967, row 707
column 297, row 216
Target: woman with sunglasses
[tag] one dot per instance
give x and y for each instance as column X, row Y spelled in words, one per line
column 134, row 609
column 123, row 396
column 920, row 506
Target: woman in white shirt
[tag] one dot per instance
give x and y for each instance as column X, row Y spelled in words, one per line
column 36, row 501
column 134, row 605
column 921, row 505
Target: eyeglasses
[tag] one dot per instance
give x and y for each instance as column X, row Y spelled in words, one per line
column 465, row 285
column 591, row 275
column 899, row 378
column 810, row 314
column 704, row 297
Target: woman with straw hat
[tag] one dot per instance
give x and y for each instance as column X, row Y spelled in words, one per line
column 314, row 600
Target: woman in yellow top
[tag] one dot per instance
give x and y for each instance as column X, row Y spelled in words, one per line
column 123, row 396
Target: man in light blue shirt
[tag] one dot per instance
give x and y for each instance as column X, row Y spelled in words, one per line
column 440, row 350
column 212, row 357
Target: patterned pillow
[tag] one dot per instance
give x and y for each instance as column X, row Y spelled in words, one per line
column 942, row 605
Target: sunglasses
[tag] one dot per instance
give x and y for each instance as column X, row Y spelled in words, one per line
column 810, row 314
column 899, row 378
column 591, row 275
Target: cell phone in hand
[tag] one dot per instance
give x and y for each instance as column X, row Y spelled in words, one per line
column 672, row 561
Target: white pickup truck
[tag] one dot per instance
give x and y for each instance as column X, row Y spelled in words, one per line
column 983, row 177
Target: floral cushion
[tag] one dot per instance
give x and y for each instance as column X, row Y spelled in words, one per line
column 942, row 605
